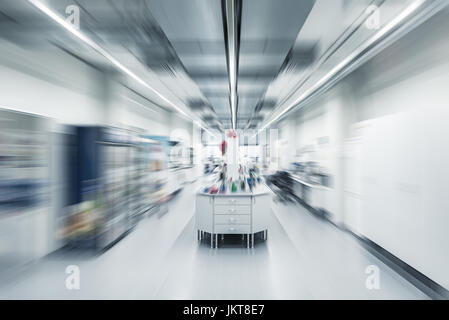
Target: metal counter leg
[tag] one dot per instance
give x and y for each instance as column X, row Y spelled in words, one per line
column 247, row 240
column 216, row 240
column 211, row 241
column 252, row 240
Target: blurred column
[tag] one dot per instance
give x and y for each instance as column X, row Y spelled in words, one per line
column 232, row 153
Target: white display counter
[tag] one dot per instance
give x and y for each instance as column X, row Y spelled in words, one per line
column 245, row 213
column 315, row 195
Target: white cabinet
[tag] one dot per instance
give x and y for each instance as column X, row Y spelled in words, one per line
column 233, row 214
column 232, row 229
column 230, row 200
column 231, row 209
column 261, row 212
column 204, row 212
column 232, row 219
column 23, row 237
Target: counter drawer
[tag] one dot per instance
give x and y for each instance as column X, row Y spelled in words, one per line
column 232, row 219
column 232, row 209
column 238, row 201
column 232, row 228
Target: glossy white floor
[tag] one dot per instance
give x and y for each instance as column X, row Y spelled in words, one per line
column 304, row 258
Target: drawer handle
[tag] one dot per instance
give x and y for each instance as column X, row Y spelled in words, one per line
column 231, row 219
column 232, row 200
column 231, row 210
column 231, row 229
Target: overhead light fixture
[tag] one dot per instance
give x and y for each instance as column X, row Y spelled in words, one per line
column 232, row 11
column 137, row 103
column 354, row 56
column 69, row 27
column 205, row 129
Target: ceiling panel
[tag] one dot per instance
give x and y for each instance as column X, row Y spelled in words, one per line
column 195, row 30
column 268, row 31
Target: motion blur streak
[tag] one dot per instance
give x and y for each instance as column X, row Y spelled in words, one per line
column 115, row 135
column 95, row 46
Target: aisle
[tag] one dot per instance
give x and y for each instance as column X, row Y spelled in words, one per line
column 304, row 258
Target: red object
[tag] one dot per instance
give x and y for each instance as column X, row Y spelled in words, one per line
column 223, row 147
column 213, row 189
column 231, row 133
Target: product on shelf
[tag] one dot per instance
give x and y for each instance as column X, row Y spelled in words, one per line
column 213, row 189
column 104, row 182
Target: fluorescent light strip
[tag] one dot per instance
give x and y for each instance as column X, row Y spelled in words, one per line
column 138, row 103
column 210, row 132
column 42, row 7
column 232, row 59
column 391, row 25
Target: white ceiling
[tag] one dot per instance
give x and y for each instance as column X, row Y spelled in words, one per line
column 179, row 46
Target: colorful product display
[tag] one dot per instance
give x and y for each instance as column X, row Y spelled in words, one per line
column 247, row 181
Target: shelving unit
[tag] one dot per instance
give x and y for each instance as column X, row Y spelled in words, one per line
column 155, row 179
column 103, row 194
column 24, row 188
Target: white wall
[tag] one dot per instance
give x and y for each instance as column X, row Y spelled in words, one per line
column 324, row 118
column 198, row 151
column 181, row 126
column 404, row 152
column 287, row 145
column 405, row 174
column 393, row 120
column 52, row 84
column 127, row 109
